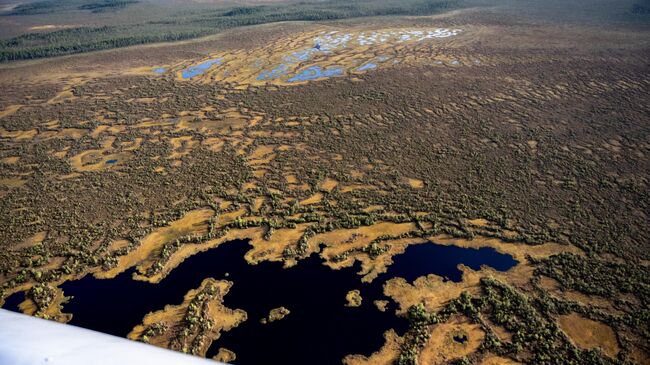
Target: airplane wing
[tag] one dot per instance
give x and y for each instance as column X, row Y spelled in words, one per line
column 26, row 340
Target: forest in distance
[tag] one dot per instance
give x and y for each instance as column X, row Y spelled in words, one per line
column 354, row 182
column 192, row 24
column 180, row 23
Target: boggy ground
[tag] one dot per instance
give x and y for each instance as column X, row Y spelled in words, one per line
column 193, row 325
column 534, row 142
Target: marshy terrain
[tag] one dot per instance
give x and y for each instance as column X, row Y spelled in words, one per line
column 434, row 182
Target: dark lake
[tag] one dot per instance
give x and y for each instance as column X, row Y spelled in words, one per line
column 319, row 330
column 12, row 302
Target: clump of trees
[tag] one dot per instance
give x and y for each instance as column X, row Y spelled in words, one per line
column 533, row 335
column 42, row 295
column 192, row 333
column 594, row 276
column 617, row 281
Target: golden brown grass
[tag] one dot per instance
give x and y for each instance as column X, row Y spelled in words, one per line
column 172, row 316
column 441, row 346
column 353, row 298
column 555, row 289
column 589, row 334
column 10, row 160
column 381, row 305
column 194, row 222
column 12, row 182
column 272, row 249
column 415, row 183
column 503, row 334
column 353, row 187
column 372, row 267
column 144, row 259
column 314, row 199
column 430, row 290
column 434, row 293
column 479, row 222
column 53, row 311
column 328, row 184
column 11, row 109
column 225, row 356
column 18, row 134
column 32, row 240
column 277, row 314
column 343, row 240
column 517, row 250
column 189, row 250
column 385, row 356
column 261, row 152
column 96, row 160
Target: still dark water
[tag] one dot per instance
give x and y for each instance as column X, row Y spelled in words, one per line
column 319, row 330
column 13, row 301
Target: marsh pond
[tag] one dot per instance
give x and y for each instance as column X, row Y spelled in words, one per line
column 320, row 327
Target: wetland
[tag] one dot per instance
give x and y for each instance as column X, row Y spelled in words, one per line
column 319, row 323
column 442, row 182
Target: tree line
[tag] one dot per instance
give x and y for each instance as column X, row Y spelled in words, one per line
column 198, row 24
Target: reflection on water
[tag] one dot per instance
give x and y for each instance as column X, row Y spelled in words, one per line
column 274, row 73
column 316, row 72
column 367, row 66
column 201, row 68
column 325, row 55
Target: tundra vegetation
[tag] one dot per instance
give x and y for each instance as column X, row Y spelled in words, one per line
column 275, row 314
column 192, row 326
column 495, row 137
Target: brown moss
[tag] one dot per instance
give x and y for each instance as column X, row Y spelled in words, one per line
column 385, row 356
column 224, row 355
column 353, row 298
column 451, row 340
column 589, row 334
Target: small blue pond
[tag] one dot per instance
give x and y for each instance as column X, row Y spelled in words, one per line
column 316, row 72
column 110, row 162
column 319, row 330
column 274, row 73
column 159, row 70
column 299, row 56
column 200, row 68
column 367, row 66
